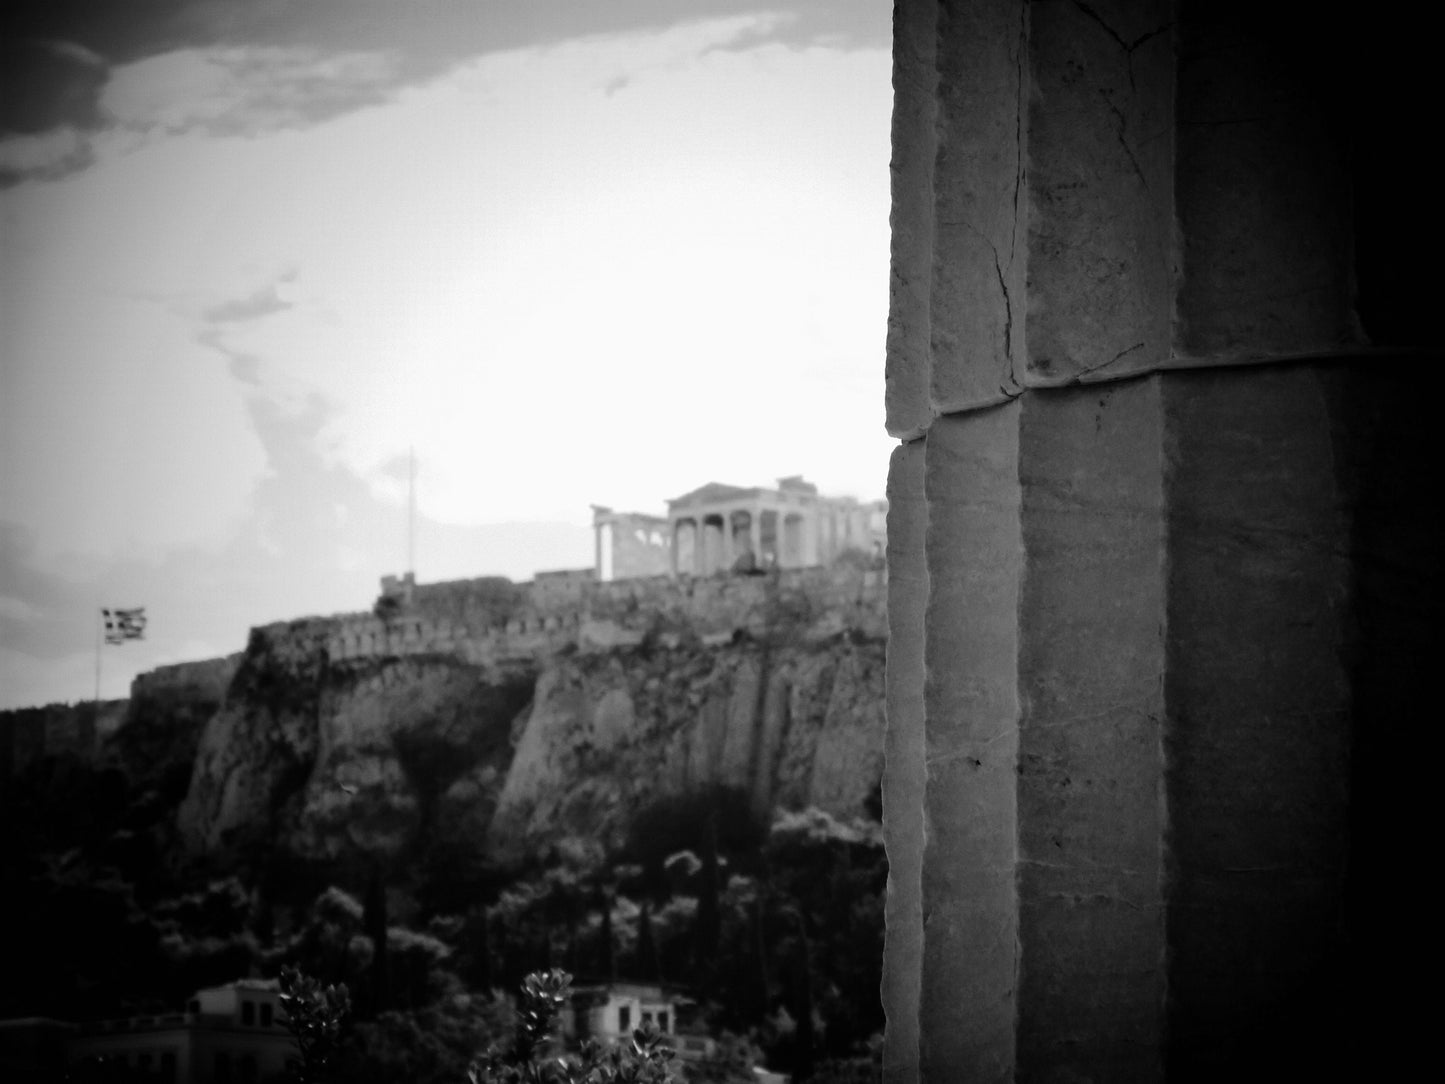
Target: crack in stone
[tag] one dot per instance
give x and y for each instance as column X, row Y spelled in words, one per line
column 1220, row 123
column 1105, row 364
column 1021, row 54
column 1142, row 38
column 1127, row 46
column 1008, row 325
column 1002, row 285
column 1119, row 132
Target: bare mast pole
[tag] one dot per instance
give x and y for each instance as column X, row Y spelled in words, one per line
column 411, row 512
column 99, row 626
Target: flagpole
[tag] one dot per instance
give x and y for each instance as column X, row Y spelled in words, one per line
column 411, row 513
column 99, row 625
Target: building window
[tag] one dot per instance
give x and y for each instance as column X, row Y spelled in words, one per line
column 222, row 1066
column 168, row 1065
column 266, row 1014
column 624, row 1017
column 143, row 1060
column 662, row 1022
column 646, row 1018
column 248, row 1068
column 248, row 1013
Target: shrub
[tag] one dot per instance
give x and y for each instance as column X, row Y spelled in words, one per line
column 314, row 1014
column 531, row 1057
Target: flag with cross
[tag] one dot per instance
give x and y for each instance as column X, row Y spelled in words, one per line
column 123, row 625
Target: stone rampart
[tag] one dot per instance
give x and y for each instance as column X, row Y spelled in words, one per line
column 483, row 621
column 27, row 734
column 82, row 729
column 207, row 677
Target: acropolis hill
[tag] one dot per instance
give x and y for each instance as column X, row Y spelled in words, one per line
column 567, row 706
column 725, row 560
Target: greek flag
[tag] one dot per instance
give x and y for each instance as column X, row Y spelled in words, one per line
column 123, row 625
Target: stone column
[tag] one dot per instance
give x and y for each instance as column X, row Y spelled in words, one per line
column 727, row 540
column 1134, row 799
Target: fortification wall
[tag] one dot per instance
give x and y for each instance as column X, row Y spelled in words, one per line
column 206, row 677
column 481, row 623
column 26, row 734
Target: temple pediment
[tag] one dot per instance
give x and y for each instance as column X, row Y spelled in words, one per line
column 714, row 492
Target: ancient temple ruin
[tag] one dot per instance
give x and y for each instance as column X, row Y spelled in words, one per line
column 718, row 527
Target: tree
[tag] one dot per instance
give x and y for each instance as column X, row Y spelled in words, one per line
column 530, row 1058
column 314, row 1015
column 709, row 919
column 609, row 945
column 646, row 967
column 373, row 922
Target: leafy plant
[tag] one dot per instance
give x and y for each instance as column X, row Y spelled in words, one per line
column 532, row 1058
column 314, row 1014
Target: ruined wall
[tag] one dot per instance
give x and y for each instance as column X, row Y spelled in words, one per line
column 84, row 729
column 26, row 734
column 1167, row 486
column 204, row 679
column 487, row 624
column 630, row 545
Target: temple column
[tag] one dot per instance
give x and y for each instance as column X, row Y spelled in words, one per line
column 727, row 540
column 1151, row 536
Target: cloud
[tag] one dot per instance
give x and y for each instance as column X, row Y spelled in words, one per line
column 244, row 90
column 217, row 349
column 314, row 540
column 264, row 301
column 244, row 41
column 44, row 157
column 47, row 84
column 35, row 604
column 49, row 101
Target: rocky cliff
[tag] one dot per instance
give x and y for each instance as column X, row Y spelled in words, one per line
column 331, row 761
column 354, row 759
column 607, row 736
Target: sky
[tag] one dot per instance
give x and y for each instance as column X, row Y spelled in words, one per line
column 255, row 254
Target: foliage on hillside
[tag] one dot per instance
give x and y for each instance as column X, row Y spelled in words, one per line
column 770, row 923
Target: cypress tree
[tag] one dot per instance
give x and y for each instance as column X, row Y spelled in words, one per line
column 803, row 1001
column 609, row 946
column 374, row 923
column 758, row 979
column 709, row 921
column 647, row 963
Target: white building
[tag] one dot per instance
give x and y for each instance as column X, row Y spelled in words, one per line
column 613, row 1010
column 231, row 1034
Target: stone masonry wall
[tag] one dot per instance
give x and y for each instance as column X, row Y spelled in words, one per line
column 487, row 624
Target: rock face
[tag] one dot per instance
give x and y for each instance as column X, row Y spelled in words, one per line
column 608, row 735
column 155, row 744
column 261, row 745
column 330, row 762
column 340, row 760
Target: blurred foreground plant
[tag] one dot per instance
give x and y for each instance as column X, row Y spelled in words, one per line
column 314, row 1014
column 531, row 1058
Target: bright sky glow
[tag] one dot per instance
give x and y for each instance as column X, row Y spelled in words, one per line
column 606, row 269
